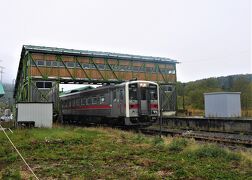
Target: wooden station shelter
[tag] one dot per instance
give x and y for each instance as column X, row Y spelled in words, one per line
column 42, row 69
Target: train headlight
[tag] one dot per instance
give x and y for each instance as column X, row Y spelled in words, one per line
column 154, row 112
column 143, row 85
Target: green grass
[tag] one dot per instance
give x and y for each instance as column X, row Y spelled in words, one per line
column 93, row 153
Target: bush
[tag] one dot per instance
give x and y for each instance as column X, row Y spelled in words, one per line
column 177, row 144
column 212, row 151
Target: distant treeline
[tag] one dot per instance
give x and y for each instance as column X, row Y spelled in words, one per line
column 193, row 91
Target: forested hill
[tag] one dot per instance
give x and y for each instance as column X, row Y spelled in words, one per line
column 193, row 91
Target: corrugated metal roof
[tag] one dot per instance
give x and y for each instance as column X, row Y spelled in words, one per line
column 63, row 51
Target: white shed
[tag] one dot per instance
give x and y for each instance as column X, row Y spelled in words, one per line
column 41, row 114
column 222, row 104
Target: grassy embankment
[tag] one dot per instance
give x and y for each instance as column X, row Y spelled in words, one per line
column 92, row 153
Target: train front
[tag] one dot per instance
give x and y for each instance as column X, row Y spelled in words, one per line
column 142, row 103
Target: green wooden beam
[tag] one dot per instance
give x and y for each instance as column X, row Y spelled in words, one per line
column 92, row 61
column 76, row 59
column 59, row 59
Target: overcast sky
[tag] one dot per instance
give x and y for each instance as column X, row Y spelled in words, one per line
column 209, row 38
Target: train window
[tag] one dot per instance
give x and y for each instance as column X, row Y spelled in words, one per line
column 102, row 99
column 94, row 100
column 121, row 94
column 77, row 102
column 153, row 94
column 133, row 91
column 114, row 95
column 143, row 93
column 98, row 100
column 89, row 101
column 153, row 91
column 83, row 101
column 73, row 103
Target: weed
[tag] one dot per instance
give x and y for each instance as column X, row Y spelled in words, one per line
column 212, row 151
column 158, row 141
column 10, row 173
column 139, row 138
column 177, row 145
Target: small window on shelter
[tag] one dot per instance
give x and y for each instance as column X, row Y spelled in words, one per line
column 55, row 64
column 48, row 84
column 40, row 62
column 70, row 64
column 44, row 84
column 48, row 63
column 40, row 84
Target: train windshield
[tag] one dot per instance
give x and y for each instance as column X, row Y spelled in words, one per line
column 153, row 91
column 133, row 91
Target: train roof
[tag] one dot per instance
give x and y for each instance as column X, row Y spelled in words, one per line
column 76, row 90
column 88, row 88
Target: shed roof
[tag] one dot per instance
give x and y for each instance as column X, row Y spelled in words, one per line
column 216, row 93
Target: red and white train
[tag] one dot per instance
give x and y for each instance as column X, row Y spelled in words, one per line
column 128, row 103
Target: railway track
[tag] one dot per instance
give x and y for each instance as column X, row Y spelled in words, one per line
column 225, row 138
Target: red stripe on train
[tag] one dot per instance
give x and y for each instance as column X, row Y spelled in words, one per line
column 153, row 106
column 135, row 106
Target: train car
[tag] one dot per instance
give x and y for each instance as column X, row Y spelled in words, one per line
column 128, row 103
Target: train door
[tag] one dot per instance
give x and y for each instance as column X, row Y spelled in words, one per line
column 122, row 101
column 115, row 103
column 143, row 98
